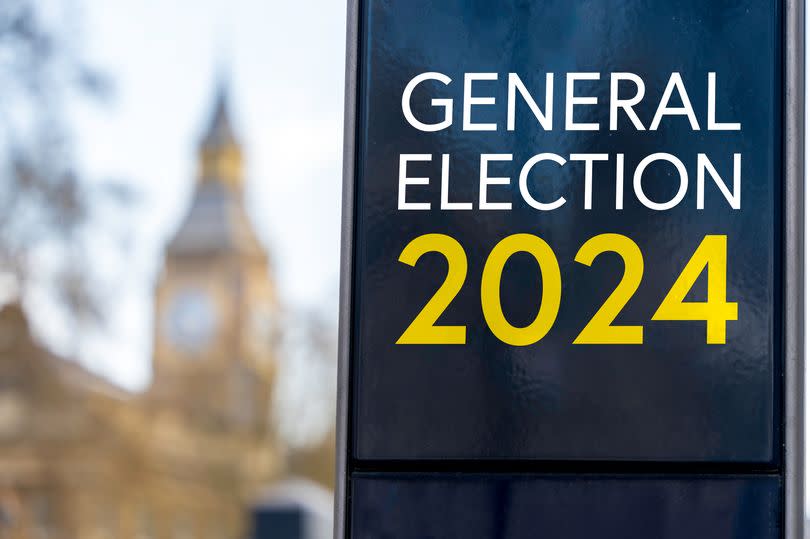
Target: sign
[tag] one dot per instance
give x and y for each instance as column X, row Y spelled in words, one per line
column 570, row 277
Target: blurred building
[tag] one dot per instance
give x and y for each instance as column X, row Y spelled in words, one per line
column 80, row 458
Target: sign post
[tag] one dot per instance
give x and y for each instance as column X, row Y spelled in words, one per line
column 572, row 275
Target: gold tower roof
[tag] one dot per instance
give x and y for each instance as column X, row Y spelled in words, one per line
column 216, row 220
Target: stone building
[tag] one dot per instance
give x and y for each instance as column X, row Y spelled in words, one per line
column 81, row 458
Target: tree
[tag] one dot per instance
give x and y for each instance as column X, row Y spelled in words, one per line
column 44, row 206
column 304, row 402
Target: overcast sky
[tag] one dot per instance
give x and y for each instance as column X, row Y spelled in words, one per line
column 285, row 63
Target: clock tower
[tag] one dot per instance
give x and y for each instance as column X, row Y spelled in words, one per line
column 215, row 303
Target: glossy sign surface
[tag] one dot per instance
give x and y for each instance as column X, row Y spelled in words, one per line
column 563, row 507
column 671, row 398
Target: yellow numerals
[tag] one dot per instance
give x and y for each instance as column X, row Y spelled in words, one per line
column 422, row 330
column 710, row 254
column 599, row 330
column 716, row 311
column 491, row 290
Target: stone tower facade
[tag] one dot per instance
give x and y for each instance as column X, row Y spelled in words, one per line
column 215, row 311
column 216, row 305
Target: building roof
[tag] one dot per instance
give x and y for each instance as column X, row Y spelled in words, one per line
column 220, row 132
column 22, row 353
column 215, row 222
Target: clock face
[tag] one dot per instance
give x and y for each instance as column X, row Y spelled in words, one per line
column 191, row 319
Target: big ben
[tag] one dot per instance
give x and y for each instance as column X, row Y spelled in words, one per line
column 215, row 302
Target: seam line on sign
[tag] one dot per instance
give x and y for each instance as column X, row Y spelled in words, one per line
column 562, row 467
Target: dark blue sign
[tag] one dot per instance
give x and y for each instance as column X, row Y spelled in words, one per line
column 567, row 250
column 564, row 507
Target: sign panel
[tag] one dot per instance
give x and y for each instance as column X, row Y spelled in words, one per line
column 569, row 507
column 567, row 248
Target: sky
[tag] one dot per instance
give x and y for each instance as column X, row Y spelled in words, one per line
column 284, row 62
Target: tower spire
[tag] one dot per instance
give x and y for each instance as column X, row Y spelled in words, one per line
column 216, row 220
column 220, row 151
column 220, row 130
